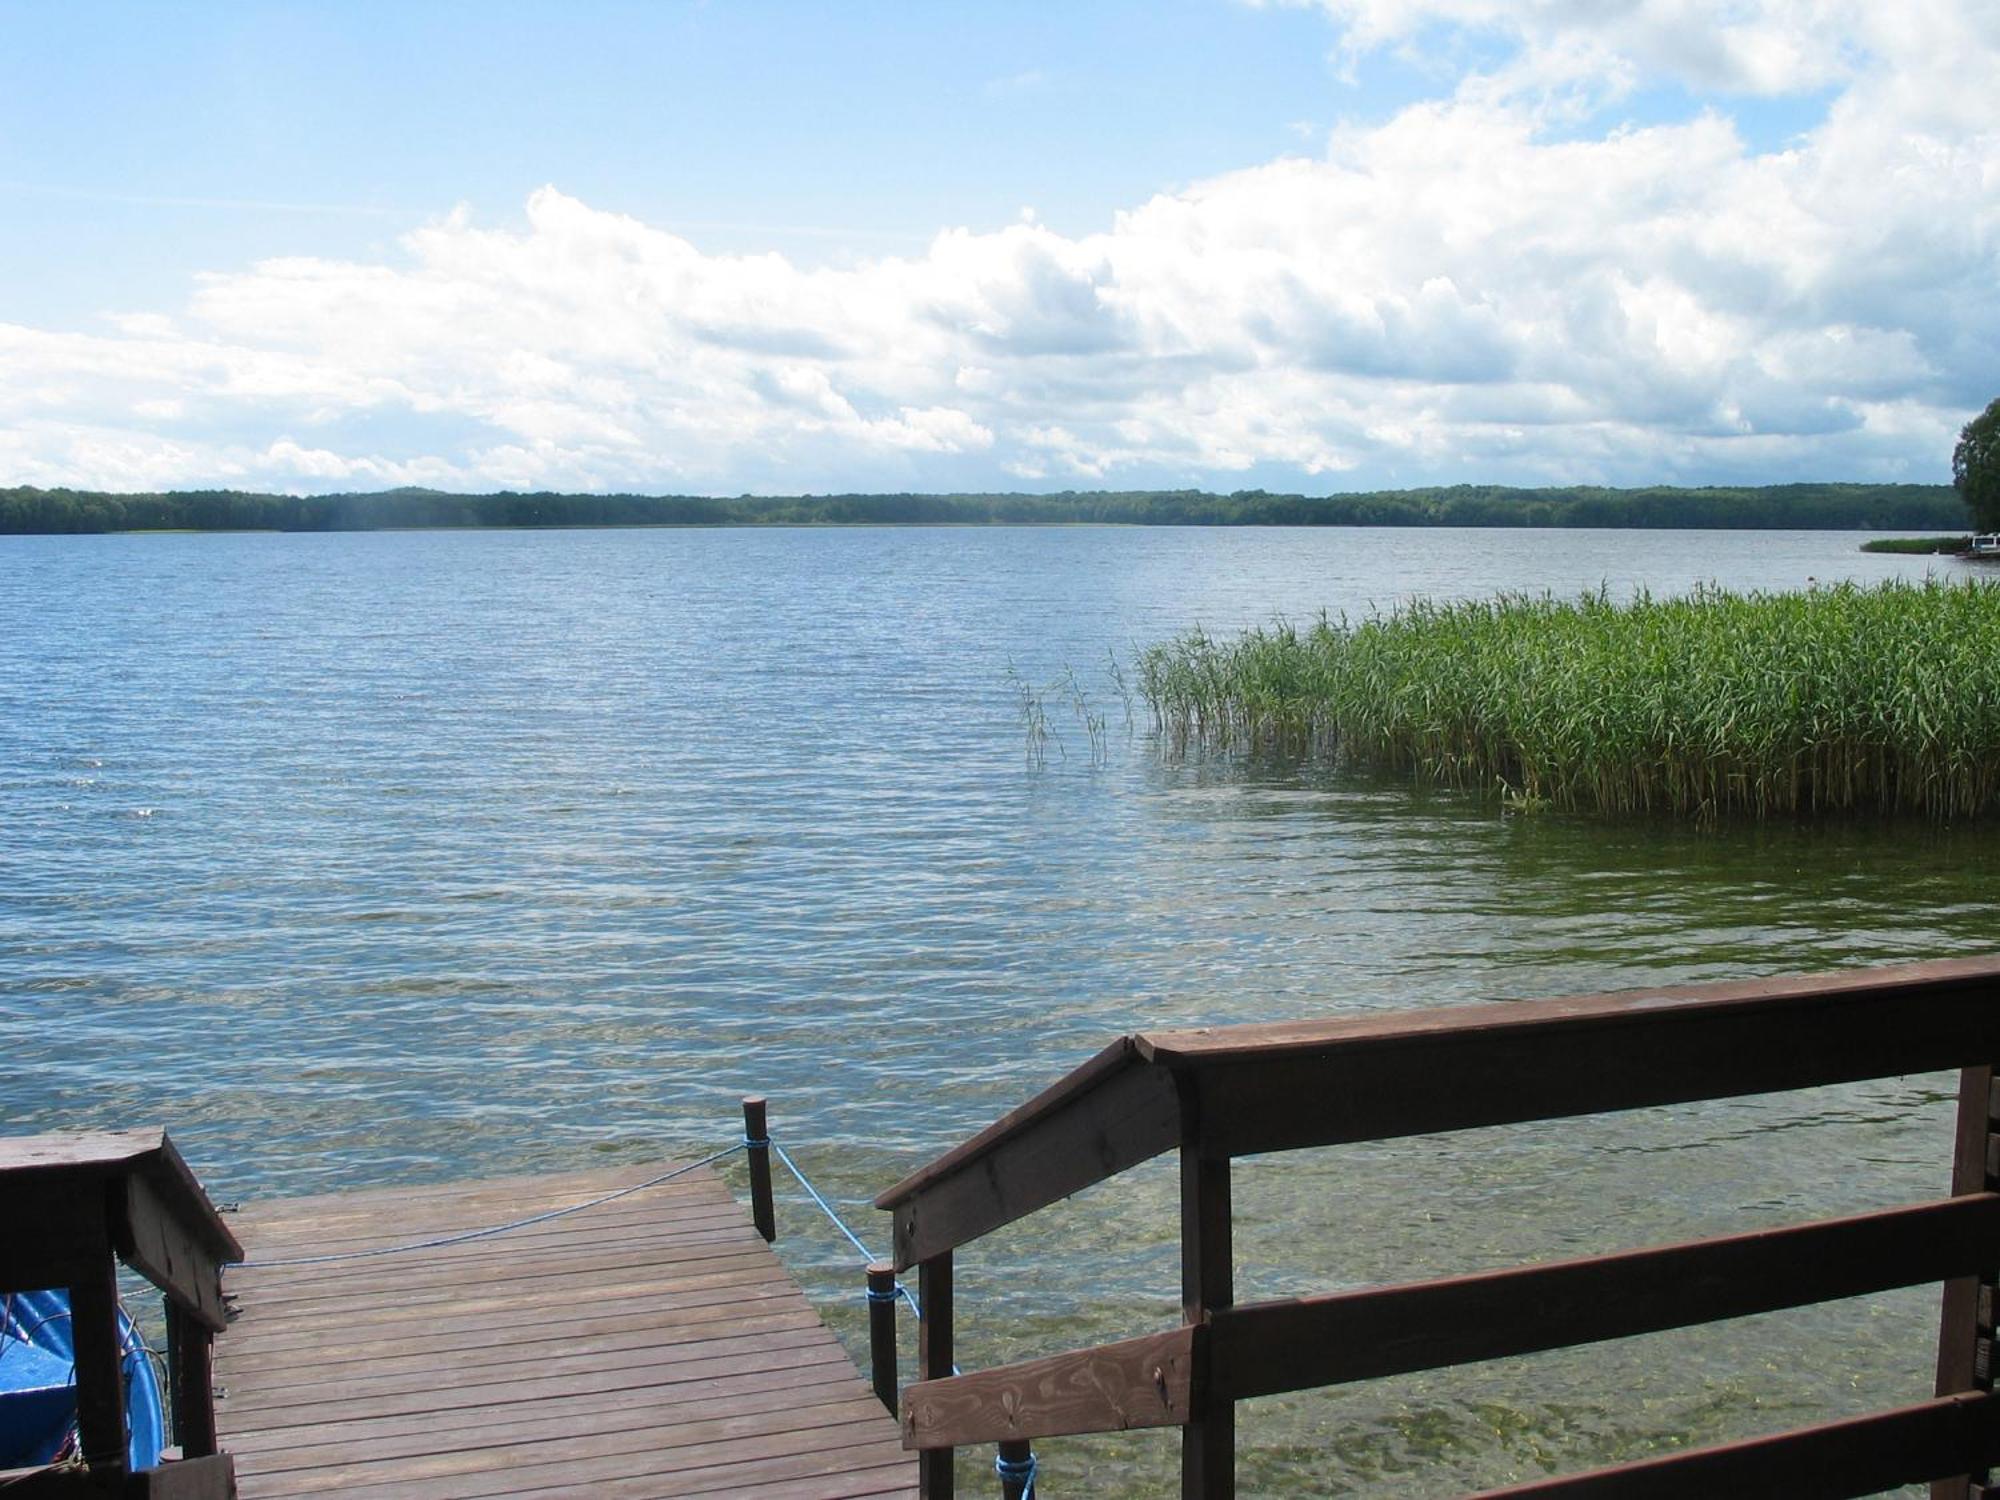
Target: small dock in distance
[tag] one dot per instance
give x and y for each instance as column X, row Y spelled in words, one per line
column 650, row 1345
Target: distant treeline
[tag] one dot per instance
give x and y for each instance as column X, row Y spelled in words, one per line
column 1875, row 507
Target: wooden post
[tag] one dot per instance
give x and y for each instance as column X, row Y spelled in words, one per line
column 1016, row 1469
column 189, row 1346
column 757, row 1138
column 934, row 1465
column 882, row 1295
column 1965, row 1324
column 1208, row 1284
column 100, row 1378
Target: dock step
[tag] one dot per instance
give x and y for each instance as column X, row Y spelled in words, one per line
column 649, row 1346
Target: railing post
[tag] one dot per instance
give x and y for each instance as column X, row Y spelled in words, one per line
column 1208, row 1284
column 1965, row 1325
column 934, row 1465
column 189, row 1351
column 882, row 1295
column 100, row 1378
column 757, row 1140
column 1016, row 1468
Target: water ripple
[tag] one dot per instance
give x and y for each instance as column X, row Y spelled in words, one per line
column 376, row 858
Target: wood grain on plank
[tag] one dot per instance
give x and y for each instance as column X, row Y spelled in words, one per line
column 1142, row 1382
column 651, row 1345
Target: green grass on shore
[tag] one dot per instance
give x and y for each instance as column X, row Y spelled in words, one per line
column 1841, row 698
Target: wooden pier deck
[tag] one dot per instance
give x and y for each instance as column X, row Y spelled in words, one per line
column 650, row 1346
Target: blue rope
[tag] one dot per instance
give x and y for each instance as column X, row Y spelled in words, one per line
column 824, row 1206
column 853, row 1239
column 480, row 1234
column 1008, row 1468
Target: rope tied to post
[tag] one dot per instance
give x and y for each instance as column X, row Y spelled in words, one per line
column 853, row 1239
column 1021, row 1469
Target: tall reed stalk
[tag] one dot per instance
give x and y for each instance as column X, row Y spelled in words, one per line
column 1838, row 698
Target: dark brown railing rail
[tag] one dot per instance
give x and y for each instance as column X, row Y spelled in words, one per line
column 76, row 1205
column 1223, row 1092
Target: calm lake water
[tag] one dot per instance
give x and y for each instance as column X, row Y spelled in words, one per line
column 372, row 858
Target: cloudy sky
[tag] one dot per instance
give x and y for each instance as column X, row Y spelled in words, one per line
column 767, row 247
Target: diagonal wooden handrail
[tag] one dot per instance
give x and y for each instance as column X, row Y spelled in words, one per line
column 1285, row 1085
column 1219, row 1092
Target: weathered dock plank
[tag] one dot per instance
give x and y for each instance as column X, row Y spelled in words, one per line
column 650, row 1346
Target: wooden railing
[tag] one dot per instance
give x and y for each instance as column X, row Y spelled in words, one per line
column 76, row 1205
column 1223, row 1092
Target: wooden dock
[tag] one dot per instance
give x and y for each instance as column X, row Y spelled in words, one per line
column 649, row 1346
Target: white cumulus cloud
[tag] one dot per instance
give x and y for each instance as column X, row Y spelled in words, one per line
column 1476, row 288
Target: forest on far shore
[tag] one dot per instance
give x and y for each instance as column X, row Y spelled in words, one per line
column 1859, row 507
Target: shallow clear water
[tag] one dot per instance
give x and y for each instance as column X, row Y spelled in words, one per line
column 385, row 857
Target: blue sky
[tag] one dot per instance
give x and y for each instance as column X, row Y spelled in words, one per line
column 723, row 247
column 826, row 133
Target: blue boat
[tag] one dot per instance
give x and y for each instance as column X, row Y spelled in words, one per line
column 38, row 1385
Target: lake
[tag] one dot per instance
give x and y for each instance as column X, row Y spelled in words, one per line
column 386, row 857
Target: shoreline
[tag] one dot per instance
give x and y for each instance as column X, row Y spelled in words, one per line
column 1907, row 508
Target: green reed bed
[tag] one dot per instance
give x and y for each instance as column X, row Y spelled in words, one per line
column 1840, row 698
